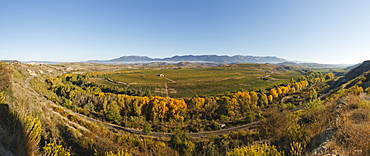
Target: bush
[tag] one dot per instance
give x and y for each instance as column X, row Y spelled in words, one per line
column 274, row 127
column 215, row 126
column 314, row 104
column 113, row 115
column 357, row 90
column 250, row 117
column 147, row 129
column 182, row 143
column 53, row 149
column 297, row 137
column 256, row 150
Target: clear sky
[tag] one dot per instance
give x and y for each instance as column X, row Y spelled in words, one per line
column 323, row 31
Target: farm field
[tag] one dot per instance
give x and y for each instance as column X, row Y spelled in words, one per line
column 189, row 82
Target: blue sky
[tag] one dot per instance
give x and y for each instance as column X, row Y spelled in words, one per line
column 330, row 31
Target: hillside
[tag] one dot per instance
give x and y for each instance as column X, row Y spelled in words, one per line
column 358, row 70
column 197, row 58
column 47, row 109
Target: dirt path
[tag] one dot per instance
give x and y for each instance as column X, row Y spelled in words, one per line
column 285, row 98
column 166, row 89
column 236, row 78
column 119, row 82
column 170, row 79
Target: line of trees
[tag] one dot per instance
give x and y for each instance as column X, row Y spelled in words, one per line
column 75, row 92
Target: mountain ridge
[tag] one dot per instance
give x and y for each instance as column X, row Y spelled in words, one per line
column 197, row 58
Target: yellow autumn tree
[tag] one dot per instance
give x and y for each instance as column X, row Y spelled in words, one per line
column 279, row 91
column 196, row 106
column 177, row 108
column 254, row 99
column 274, row 93
column 270, row 98
column 244, row 100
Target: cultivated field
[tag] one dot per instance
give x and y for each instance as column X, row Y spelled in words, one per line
column 189, row 82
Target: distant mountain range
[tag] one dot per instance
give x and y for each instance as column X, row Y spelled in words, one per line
column 196, row 58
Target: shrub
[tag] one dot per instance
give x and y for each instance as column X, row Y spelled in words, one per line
column 32, row 128
column 113, row 115
column 296, row 148
column 274, row 127
column 215, row 126
column 182, row 143
column 53, row 149
column 297, row 138
column 256, row 150
column 147, row 129
column 314, row 104
column 357, row 90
